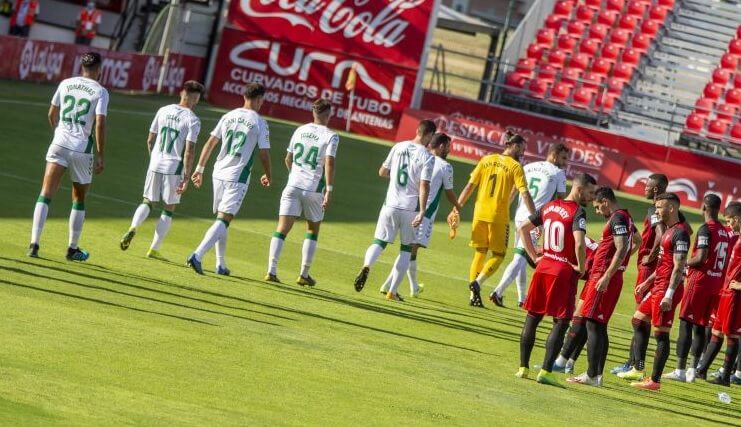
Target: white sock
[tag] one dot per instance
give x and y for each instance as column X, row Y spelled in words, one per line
column 521, row 281
column 213, row 234
column 141, row 213
column 570, row 363
column 561, row 361
column 510, row 273
column 372, row 254
column 276, row 245
column 307, row 253
column 160, row 231
column 400, row 269
column 412, row 276
column 221, row 251
column 681, row 371
column 738, row 373
column 76, row 219
column 387, row 283
column 39, row 218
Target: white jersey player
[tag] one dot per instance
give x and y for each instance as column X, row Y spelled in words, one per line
column 79, row 105
column 240, row 132
column 545, row 180
column 409, row 168
column 171, row 144
column 311, row 162
column 441, row 183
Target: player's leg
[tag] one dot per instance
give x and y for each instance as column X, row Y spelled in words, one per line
column 663, row 344
column 641, row 331
column 684, row 341
column 49, row 187
column 160, row 231
column 285, row 224
column 217, row 230
column 732, row 343
column 386, row 229
column 76, row 221
column 515, row 271
column 711, row 352
column 415, row 288
column 407, row 237
column 308, row 249
column 576, row 338
column 152, row 193
column 595, row 347
column 498, row 237
column 527, row 342
column 480, row 243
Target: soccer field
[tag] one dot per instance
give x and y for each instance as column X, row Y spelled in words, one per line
column 122, row 339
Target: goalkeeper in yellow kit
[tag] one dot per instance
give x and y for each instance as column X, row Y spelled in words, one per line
column 496, row 176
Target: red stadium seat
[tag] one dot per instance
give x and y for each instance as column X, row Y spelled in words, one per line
column 525, row 66
column 667, row 3
column 636, row 8
column 589, row 46
column 563, row 8
column 650, row 28
column 515, row 79
column 545, row 37
column 571, row 76
column 628, row 22
column 729, row 61
column 611, row 52
column 631, row 56
column 734, row 47
column 615, row 85
column 535, row 51
column 725, row 112
column 736, row 133
column 547, row 73
column 591, row 81
column 605, row 102
column 721, row 76
column 598, row 31
column 554, row 22
column 717, row 129
column 566, row 42
column 737, row 81
column 712, row 91
column 594, row 4
column 658, row 13
column 738, row 32
column 580, row 60
column 537, row 88
column 560, row 93
column 575, row 28
column 704, row 106
column 601, row 66
column 582, row 98
column 608, row 17
column 641, row 42
column 620, row 36
column 694, row 123
column 623, row 72
column 557, row 58
column 585, row 14
column 617, row 5
column 733, row 97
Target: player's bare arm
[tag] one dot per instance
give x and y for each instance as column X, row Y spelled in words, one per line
column 466, row 194
column 453, row 199
column 208, row 148
column 675, row 280
column 700, row 257
column 267, row 176
column 53, row 116
column 100, row 143
column 637, row 241
column 151, row 139
column 651, row 257
column 288, row 161
column 524, row 231
column 190, row 149
column 424, row 192
column 329, row 180
column 646, row 284
column 735, row 285
column 528, row 201
column 622, row 247
column 580, row 246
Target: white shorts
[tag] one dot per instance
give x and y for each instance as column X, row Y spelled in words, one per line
column 228, row 196
column 392, row 221
column 424, row 232
column 79, row 165
column 518, row 244
column 160, row 186
column 295, row 201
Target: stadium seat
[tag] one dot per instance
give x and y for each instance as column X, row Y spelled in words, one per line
column 725, row 112
column 616, row 5
column 721, row 76
column 734, row 46
column 641, row 42
column 623, row 71
column 582, row 98
column 712, row 91
column 717, row 129
column 694, row 123
column 545, row 37
column 591, row 80
column 557, row 58
column 589, row 46
column 525, row 66
column 658, row 13
column 667, row 3
column 594, row 4
column 737, row 81
column 736, row 133
column 537, row 88
column 650, row 28
column 584, row 14
column 575, row 28
column 567, row 42
column 628, row 22
column 704, row 106
column 606, row 101
column 608, row 17
column 554, row 22
column 516, row 80
column 563, row 8
column 610, row 52
column 631, row 57
column 729, row 61
column 614, row 85
column 580, row 60
column 636, row 8
column 571, row 76
column 620, row 36
column 560, row 93
column 598, row 31
column 602, row 66
column 547, row 73
column 733, row 97
column 535, row 51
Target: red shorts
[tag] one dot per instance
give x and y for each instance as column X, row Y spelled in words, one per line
column 552, row 295
column 651, row 307
column 644, row 271
column 699, row 301
column 599, row 306
column 729, row 313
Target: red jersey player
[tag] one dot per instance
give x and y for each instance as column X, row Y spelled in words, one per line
column 658, row 309
column 602, row 290
column 728, row 320
column 553, row 285
column 702, row 288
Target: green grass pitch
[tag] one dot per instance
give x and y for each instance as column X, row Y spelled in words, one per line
column 122, row 339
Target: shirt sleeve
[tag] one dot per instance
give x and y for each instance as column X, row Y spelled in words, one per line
column 334, row 141
column 561, row 184
column 619, row 225
column 448, row 178
column 292, row 142
column 680, row 242
column 193, row 130
column 428, row 167
column 536, row 218
column 102, row 108
column 216, row 133
column 653, row 217
column 263, row 141
column 703, row 237
column 387, row 163
column 153, row 126
column 519, row 176
column 476, row 174
column 580, row 221
column 55, row 99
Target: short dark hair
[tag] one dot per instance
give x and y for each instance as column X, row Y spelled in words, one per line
column 605, row 193
column 439, row 139
column 513, row 138
column 671, row 197
column 91, row 60
column 733, row 209
column 253, row 90
column 661, row 181
column 321, row 106
column 192, row 86
column 712, row 202
column 585, row 179
column 426, row 127
column 557, row 149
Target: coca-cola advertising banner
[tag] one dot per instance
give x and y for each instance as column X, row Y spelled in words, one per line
column 301, row 50
column 42, row 61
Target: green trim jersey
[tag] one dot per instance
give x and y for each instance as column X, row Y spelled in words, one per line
column 442, row 180
column 240, row 131
column 409, row 164
column 79, row 99
column 174, row 125
column 310, row 144
column 544, row 180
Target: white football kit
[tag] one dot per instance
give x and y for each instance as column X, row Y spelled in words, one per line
column 310, row 145
column 544, row 180
column 175, row 126
column 441, row 181
column 240, row 131
column 409, row 164
column 79, row 99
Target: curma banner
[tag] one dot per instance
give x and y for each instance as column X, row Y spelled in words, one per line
column 301, row 50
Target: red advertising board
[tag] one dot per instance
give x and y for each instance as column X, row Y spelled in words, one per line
column 301, row 50
column 42, row 61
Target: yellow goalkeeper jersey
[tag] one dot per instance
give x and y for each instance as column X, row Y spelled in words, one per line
column 495, row 176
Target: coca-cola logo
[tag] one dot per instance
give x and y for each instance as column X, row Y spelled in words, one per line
column 348, row 19
column 40, row 60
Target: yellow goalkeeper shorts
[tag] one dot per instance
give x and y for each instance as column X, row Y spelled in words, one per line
column 490, row 235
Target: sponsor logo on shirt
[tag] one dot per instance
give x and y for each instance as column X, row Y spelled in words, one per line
column 583, row 223
column 702, row 240
column 621, row 229
column 682, row 246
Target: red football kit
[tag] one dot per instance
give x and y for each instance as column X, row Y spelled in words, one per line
column 732, row 238
column 553, row 286
column 728, row 318
column 647, row 242
column 676, row 240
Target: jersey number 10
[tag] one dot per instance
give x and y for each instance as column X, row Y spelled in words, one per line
column 555, row 234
